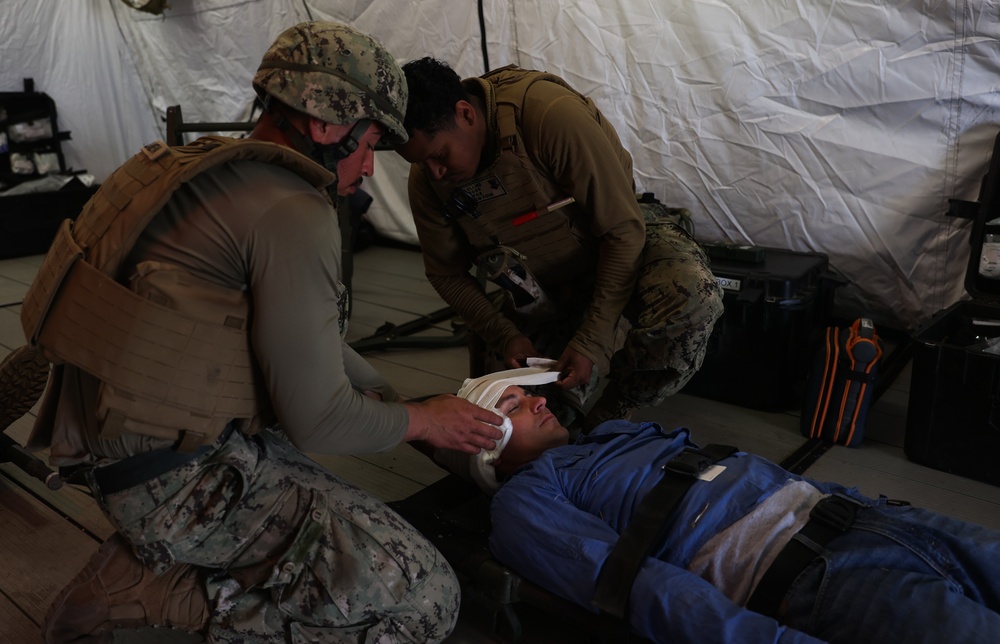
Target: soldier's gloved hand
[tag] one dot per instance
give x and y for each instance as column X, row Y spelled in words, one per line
column 518, row 350
column 574, row 367
column 450, row 422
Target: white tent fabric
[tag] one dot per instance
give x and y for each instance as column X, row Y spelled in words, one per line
column 830, row 126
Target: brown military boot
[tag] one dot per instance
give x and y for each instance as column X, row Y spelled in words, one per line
column 23, row 374
column 115, row 590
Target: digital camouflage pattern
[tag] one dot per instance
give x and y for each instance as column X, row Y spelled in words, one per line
column 672, row 312
column 667, row 323
column 677, row 302
column 291, row 552
column 336, row 74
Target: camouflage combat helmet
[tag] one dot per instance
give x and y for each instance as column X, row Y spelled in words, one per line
column 336, row 74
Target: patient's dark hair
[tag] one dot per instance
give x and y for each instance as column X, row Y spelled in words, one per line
column 434, row 90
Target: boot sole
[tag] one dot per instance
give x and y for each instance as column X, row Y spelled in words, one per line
column 23, row 376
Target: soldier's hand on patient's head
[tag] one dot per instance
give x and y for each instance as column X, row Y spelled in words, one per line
column 518, row 350
column 574, row 367
column 450, row 422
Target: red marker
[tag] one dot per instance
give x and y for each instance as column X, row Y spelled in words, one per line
column 535, row 214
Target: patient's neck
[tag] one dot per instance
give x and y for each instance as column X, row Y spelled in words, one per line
column 515, row 456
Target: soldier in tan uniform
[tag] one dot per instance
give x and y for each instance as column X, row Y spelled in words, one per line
column 521, row 176
column 195, row 319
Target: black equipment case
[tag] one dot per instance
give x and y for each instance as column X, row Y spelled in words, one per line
column 30, row 148
column 953, row 417
column 776, row 304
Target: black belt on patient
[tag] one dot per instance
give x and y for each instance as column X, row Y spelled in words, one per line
column 647, row 528
column 832, row 516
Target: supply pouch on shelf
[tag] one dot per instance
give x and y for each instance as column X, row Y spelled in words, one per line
column 842, row 384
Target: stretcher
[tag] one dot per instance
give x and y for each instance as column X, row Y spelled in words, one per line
column 454, row 515
column 12, row 452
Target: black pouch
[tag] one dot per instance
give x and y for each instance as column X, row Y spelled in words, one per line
column 842, row 384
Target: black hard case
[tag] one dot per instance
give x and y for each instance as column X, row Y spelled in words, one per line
column 953, row 416
column 28, row 222
column 758, row 354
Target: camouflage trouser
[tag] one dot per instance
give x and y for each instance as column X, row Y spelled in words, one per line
column 290, row 552
column 667, row 323
column 673, row 308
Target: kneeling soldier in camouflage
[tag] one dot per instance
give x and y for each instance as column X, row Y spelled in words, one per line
column 519, row 173
column 195, row 318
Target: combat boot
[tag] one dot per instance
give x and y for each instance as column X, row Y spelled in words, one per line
column 23, row 375
column 115, row 590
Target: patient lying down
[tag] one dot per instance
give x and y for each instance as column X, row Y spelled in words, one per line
column 747, row 554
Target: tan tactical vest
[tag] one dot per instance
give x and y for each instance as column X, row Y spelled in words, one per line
column 553, row 245
column 174, row 358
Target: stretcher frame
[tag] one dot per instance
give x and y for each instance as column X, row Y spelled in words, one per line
column 454, row 515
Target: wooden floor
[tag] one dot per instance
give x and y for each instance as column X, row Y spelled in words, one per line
column 46, row 536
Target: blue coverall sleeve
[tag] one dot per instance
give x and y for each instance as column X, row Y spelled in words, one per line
column 538, row 532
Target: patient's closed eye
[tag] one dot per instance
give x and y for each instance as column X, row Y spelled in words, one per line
column 508, row 407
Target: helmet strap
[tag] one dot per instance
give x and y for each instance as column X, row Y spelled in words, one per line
column 347, row 145
column 321, row 152
column 327, row 155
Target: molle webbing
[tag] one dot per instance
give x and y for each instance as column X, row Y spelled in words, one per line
column 113, row 219
column 551, row 246
column 181, row 369
column 144, row 348
column 511, row 87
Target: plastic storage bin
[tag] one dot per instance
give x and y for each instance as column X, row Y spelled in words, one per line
column 28, row 223
column 759, row 353
column 953, row 419
column 953, row 416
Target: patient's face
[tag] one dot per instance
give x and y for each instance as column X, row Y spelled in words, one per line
column 535, row 429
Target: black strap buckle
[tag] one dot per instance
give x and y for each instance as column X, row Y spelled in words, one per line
column 836, row 512
column 647, row 527
column 690, row 462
